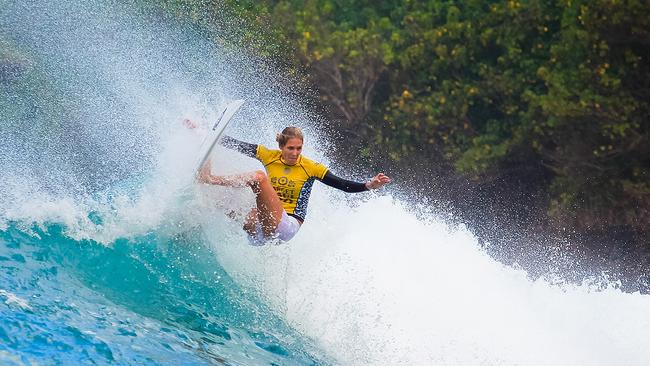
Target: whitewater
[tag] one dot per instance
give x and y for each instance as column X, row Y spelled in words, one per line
column 109, row 254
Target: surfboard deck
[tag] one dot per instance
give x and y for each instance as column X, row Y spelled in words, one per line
column 210, row 141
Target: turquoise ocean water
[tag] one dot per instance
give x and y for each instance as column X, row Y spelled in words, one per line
column 149, row 300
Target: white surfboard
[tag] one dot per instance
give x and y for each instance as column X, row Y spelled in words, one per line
column 210, row 141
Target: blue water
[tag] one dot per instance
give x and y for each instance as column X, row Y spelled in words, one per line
column 146, row 301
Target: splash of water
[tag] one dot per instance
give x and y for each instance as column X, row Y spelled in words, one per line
column 96, row 102
column 101, row 152
column 373, row 283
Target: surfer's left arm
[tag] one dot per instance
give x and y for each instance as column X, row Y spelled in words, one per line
column 353, row 187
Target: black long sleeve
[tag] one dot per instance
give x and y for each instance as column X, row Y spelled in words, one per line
column 329, row 179
column 343, row 184
column 245, row 148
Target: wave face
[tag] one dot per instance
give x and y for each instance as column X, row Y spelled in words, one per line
column 148, row 300
column 110, row 255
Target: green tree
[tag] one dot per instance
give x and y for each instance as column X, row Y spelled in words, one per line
column 594, row 133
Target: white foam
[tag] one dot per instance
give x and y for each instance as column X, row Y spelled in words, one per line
column 374, row 285
column 12, row 300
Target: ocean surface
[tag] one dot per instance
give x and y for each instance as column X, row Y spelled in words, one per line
column 111, row 255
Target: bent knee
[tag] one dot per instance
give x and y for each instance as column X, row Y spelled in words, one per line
column 259, row 176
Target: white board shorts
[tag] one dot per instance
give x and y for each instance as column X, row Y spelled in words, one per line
column 286, row 230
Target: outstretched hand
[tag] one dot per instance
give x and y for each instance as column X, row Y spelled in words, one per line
column 188, row 123
column 377, row 181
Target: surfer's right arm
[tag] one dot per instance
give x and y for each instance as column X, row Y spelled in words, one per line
column 245, row 148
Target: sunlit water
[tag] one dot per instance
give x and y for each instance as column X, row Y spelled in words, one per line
column 110, row 255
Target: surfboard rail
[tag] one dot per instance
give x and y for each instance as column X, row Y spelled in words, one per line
column 212, row 138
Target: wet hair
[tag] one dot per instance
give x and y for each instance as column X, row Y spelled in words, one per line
column 289, row 133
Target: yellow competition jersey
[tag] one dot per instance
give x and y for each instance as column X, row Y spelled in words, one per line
column 292, row 182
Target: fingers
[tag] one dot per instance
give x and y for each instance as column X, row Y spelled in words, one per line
column 378, row 181
column 188, row 123
column 383, row 178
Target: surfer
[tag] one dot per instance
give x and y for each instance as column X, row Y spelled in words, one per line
column 282, row 192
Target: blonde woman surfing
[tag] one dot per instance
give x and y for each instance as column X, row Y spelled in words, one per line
column 282, row 192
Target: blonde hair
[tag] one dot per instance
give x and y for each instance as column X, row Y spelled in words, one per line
column 289, row 133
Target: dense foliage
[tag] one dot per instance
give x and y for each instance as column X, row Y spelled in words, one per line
column 551, row 91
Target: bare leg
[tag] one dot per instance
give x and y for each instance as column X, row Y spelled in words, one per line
column 269, row 208
column 250, row 222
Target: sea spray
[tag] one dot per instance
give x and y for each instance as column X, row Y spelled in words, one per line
column 373, row 284
column 120, row 262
